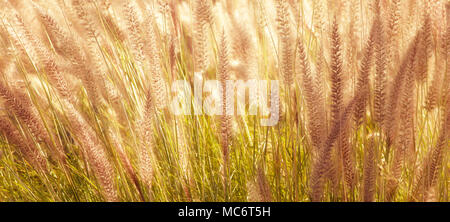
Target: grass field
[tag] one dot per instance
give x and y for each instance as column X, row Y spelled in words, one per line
column 356, row 91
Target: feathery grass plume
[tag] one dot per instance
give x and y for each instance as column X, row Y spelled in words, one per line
column 407, row 111
column 110, row 92
column 223, row 71
column 425, row 48
column 41, row 56
column 6, row 52
column 173, row 51
column 369, row 171
column 363, row 85
column 322, row 164
column 113, row 27
column 336, row 95
column 147, row 146
column 348, row 155
column 319, row 21
column 336, row 75
column 322, row 73
column 202, row 16
column 352, row 41
column 335, row 169
column 286, row 49
column 170, row 33
column 412, row 7
column 18, row 36
column 63, row 42
column 66, row 45
column 355, row 24
column 95, row 153
column 429, row 171
column 427, row 178
column 134, row 28
column 396, row 89
column 314, row 100
column 263, row 185
column 447, row 120
column 94, row 53
column 261, row 19
column 157, row 82
column 380, row 80
column 244, row 50
column 445, row 91
column 174, row 15
column 404, row 145
column 85, row 19
column 295, row 9
column 393, row 30
column 90, row 143
column 27, row 149
column 23, row 108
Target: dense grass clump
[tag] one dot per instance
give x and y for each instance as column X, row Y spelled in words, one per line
column 88, row 97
